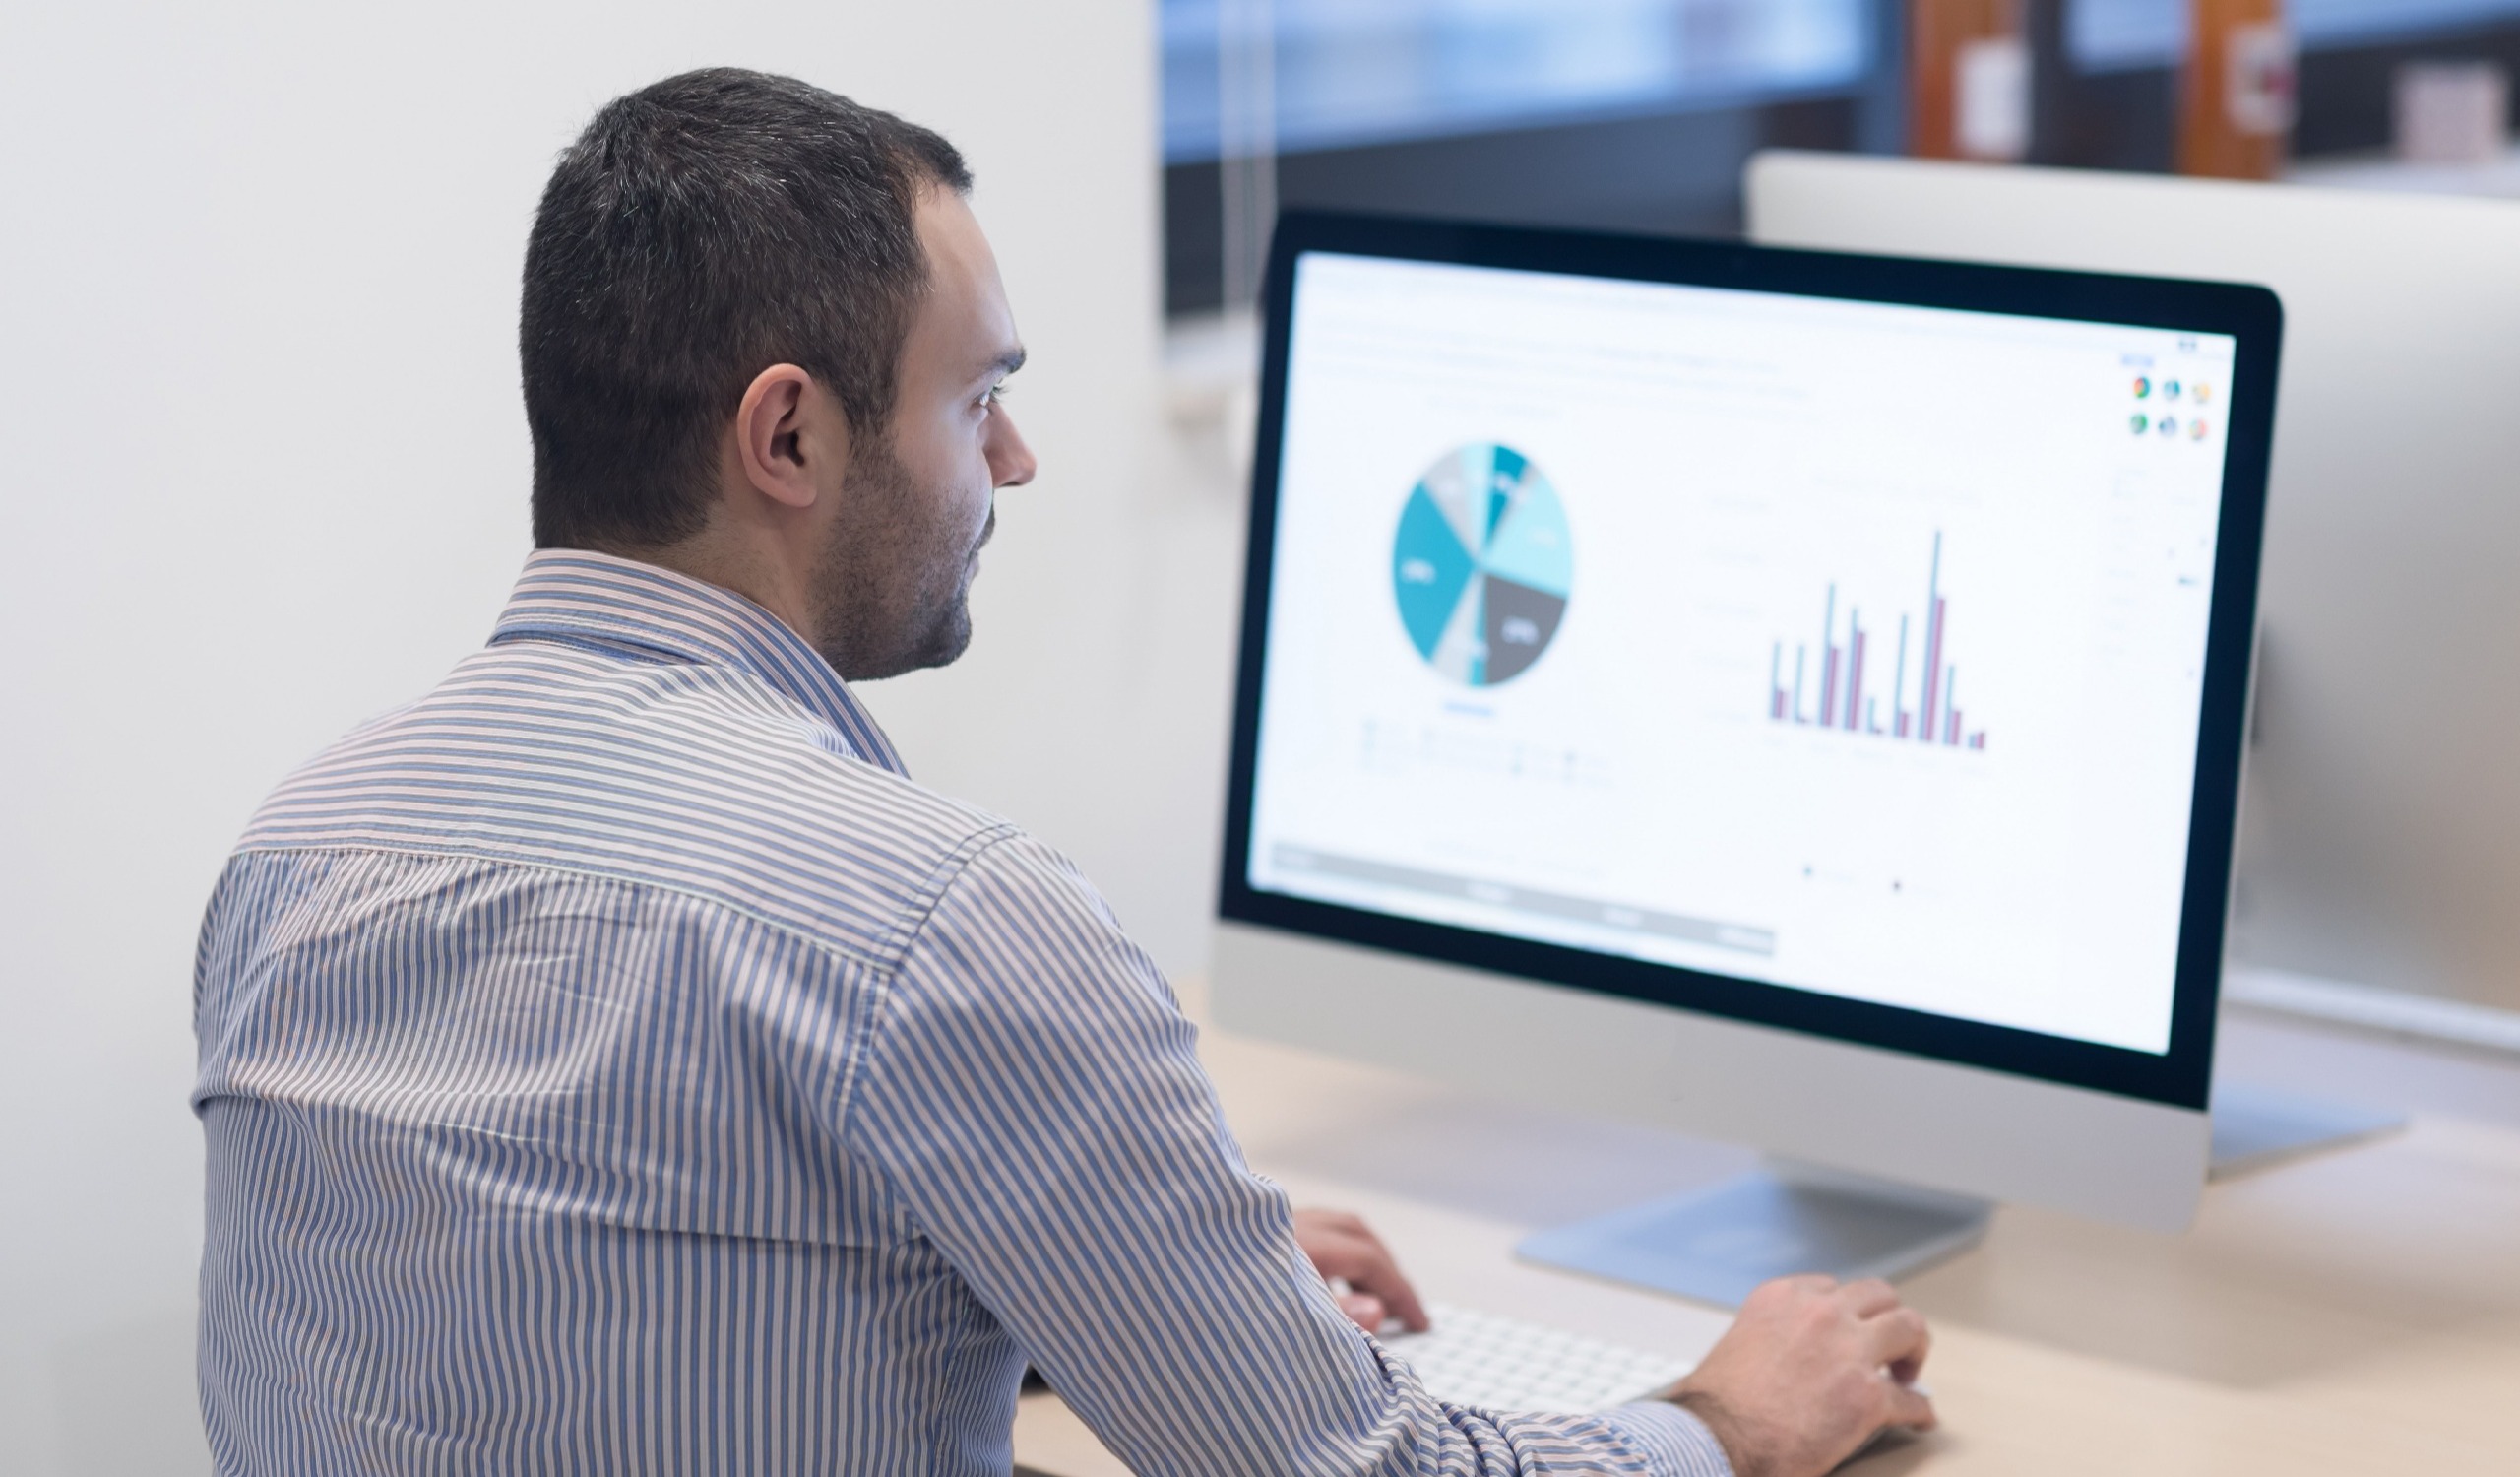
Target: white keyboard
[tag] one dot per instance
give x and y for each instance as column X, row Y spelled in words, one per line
column 1498, row 1363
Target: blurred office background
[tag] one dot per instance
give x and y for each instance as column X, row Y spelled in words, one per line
column 1638, row 115
column 265, row 466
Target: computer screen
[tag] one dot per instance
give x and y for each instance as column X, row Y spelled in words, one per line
column 1846, row 647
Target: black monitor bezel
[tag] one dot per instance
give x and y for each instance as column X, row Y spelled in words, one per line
column 2251, row 315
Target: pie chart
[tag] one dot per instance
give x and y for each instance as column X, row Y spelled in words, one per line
column 1482, row 565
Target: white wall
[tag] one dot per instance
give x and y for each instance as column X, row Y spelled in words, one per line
column 266, row 472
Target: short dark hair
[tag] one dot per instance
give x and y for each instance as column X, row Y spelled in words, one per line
column 700, row 230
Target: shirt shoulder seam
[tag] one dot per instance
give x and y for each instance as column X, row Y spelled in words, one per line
column 886, row 960
column 909, row 927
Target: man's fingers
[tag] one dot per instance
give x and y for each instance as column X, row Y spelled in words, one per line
column 1870, row 1297
column 1898, row 1337
column 1364, row 1309
column 1342, row 1257
column 1349, row 1224
column 1343, row 1222
column 1367, row 1268
column 1405, row 1305
column 1381, row 1277
column 1341, row 1245
column 1910, row 1408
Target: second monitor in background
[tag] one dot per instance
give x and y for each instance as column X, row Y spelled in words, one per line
column 2382, row 819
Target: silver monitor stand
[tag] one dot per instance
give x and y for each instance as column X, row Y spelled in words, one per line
column 2258, row 1126
column 1715, row 1245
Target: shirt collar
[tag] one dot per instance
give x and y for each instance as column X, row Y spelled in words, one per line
column 585, row 597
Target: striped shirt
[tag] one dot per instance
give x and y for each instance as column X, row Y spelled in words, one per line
column 612, row 1063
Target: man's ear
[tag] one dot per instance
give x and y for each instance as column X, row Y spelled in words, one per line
column 785, row 434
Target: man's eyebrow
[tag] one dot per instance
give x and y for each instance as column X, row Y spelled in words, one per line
column 1004, row 364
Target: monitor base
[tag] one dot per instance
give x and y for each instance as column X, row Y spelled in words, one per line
column 2258, row 1126
column 1716, row 1243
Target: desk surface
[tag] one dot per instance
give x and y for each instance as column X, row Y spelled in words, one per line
column 2354, row 1312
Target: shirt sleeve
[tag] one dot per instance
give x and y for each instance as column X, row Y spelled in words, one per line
column 1033, row 1096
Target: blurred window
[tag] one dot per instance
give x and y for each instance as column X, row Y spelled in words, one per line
column 1354, row 72
column 2111, row 35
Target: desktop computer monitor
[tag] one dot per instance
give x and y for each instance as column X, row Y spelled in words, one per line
column 2380, row 836
column 1791, row 697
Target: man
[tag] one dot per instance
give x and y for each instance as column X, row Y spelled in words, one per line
column 612, row 1063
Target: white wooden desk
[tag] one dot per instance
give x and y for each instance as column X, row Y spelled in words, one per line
column 2357, row 1312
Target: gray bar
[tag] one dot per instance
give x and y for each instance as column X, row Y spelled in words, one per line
column 1723, row 936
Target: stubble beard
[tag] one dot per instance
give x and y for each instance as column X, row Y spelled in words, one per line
column 893, row 586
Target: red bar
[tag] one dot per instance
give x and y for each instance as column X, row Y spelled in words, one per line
column 1978, row 739
column 1903, row 723
column 1829, row 691
column 1951, row 736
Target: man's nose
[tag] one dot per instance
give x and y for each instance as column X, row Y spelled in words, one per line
column 1010, row 459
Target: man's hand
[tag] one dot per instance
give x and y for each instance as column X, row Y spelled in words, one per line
column 1359, row 1268
column 1808, row 1373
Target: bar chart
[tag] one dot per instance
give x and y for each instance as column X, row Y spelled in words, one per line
column 1838, row 689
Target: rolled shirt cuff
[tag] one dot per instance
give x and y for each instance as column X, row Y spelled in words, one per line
column 1676, row 1442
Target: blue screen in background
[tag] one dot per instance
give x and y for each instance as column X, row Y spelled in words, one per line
column 2109, row 36
column 1354, row 72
